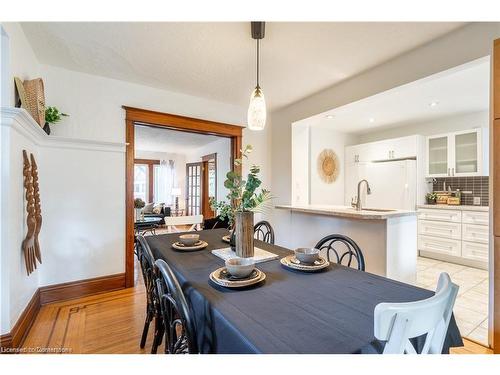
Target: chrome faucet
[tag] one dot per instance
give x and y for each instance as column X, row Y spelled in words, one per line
column 356, row 203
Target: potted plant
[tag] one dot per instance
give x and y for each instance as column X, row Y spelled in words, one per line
column 138, row 205
column 52, row 116
column 242, row 202
column 431, row 198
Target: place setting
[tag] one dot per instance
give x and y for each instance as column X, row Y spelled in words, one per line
column 189, row 242
column 238, row 273
column 306, row 260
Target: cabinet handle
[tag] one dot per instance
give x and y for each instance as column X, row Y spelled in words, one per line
column 453, row 171
column 448, row 171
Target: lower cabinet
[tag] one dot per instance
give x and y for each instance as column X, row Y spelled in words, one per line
column 440, row 245
column 453, row 235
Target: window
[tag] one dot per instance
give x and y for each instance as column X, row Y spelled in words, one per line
column 141, row 181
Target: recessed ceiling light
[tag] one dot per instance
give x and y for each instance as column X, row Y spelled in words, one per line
column 329, row 117
column 433, row 104
column 371, row 119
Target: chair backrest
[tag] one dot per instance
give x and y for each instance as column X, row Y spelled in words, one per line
column 180, row 335
column 184, row 220
column 146, row 260
column 215, row 223
column 264, row 231
column 344, row 250
column 397, row 323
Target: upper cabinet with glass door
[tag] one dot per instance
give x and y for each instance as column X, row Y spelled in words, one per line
column 457, row 154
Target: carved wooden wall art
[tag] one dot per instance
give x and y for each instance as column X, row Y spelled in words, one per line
column 328, row 166
column 38, row 209
column 30, row 244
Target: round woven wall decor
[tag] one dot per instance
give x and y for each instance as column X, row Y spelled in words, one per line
column 328, row 166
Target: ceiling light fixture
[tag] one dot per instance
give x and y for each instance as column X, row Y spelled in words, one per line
column 433, row 104
column 371, row 119
column 329, row 117
column 257, row 109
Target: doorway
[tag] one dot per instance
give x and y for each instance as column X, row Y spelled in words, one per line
column 136, row 118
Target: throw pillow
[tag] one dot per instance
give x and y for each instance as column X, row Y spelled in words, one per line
column 148, row 208
column 157, row 209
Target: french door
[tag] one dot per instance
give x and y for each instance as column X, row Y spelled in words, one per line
column 193, row 188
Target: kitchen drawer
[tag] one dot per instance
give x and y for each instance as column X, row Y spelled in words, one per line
column 475, row 233
column 475, row 251
column 440, row 215
column 440, row 245
column 440, row 229
column 475, row 217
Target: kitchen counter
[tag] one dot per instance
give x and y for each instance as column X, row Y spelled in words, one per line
column 388, row 239
column 459, row 208
column 348, row 212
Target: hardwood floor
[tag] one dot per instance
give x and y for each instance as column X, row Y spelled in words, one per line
column 112, row 323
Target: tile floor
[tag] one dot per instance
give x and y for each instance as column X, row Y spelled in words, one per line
column 471, row 306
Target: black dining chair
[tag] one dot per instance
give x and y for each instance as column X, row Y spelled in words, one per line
column 264, row 231
column 344, row 249
column 178, row 321
column 146, row 261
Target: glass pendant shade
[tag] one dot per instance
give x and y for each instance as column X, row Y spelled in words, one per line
column 257, row 110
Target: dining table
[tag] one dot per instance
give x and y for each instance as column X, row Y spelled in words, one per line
column 331, row 311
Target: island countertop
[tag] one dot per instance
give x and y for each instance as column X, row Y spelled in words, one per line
column 348, row 212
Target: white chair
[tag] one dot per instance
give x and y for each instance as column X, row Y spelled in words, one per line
column 173, row 221
column 397, row 323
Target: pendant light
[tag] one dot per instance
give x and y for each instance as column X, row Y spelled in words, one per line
column 257, row 109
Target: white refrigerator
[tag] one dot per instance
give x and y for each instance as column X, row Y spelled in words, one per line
column 393, row 184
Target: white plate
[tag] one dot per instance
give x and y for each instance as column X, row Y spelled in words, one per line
column 180, row 246
column 214, row 276
column 291, row 262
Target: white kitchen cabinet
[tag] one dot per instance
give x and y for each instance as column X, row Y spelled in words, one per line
column 440, row 229
column 445, row 246
column 396, row 148
column 439, row 215
column 475, row 251
column 475, row 217
column 454, row 234
column 457, row 154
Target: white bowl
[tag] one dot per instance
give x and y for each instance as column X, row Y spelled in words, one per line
column 240, row 267
column 307, row 254
column 189, row 239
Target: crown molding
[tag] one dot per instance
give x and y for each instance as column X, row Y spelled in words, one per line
column 19, row 120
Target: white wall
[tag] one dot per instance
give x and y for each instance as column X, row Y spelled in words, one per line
column 323, row 138
column 179, row 165
column 222, row 147
column 22, row 60
column 300, row 163
column 443, row 125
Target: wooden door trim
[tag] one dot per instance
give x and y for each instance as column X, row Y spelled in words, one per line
column 495, row 191
column 139, row 116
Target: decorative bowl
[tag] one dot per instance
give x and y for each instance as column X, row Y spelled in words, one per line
column 189, row 239
column 307, row 254
column 240, row 267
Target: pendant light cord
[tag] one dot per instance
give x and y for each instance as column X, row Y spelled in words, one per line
column 258, row 40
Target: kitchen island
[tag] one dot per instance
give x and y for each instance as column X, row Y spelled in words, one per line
column 387, row 238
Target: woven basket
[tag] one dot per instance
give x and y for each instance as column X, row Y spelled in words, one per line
column 35, row 99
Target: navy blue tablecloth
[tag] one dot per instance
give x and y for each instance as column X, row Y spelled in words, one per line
column 291, row 312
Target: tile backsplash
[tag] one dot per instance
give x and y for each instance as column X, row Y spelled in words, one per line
column 479, row 186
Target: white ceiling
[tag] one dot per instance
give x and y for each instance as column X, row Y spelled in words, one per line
column 148, row 138
column 217, row 60
column 464, row 89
